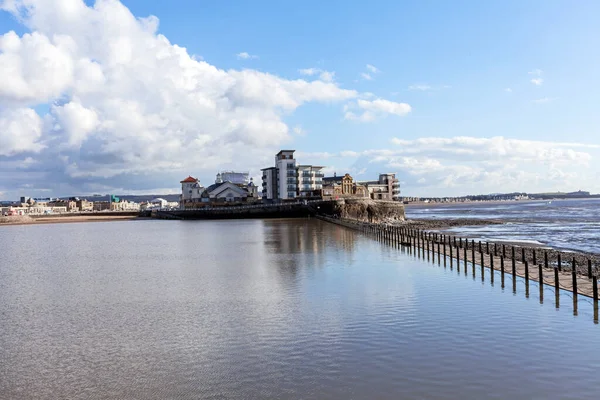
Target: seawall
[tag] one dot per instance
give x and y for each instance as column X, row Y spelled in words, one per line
column 362, row 210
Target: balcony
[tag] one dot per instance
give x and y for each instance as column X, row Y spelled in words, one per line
column 291, row 174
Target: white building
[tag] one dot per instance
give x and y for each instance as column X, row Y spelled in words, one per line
column 194, row 195
column 191, row 190
column 287, row 181
column 159, row 203
column 237, row 178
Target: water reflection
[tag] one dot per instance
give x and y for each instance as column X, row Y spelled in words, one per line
column 268, row 309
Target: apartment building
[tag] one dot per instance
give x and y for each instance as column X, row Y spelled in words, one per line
column 288, row 181
column 386, row 187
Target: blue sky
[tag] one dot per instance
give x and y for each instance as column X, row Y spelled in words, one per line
column 456, row 97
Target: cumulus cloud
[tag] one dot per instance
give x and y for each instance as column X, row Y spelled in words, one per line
column 366, row 76
column 245, row 56
column 469, row 165
column 20, row 132
column 371, row 110
column 128, row 108
column 436, row 166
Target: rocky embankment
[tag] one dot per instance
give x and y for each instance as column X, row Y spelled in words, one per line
column 366, row 210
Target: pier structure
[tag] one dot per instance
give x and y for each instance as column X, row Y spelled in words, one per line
column 510, row 261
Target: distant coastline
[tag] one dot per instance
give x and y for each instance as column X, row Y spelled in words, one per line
column 491, row 202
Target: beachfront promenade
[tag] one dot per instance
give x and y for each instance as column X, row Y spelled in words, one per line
column 555, row 268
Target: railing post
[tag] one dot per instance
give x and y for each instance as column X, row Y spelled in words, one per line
column 574, row 276
column 556, row 280
column 522, row 254
column 502, row 265
column 559, row 262
column 458, row 259
column 473, row 252
column 526, row 270
column 514, row 266
column 595, row 288
column 482, row 265
column 589, row 268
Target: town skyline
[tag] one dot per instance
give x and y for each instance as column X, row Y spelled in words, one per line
column 130, row 96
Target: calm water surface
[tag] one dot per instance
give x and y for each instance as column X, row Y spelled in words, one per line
column 262, row 309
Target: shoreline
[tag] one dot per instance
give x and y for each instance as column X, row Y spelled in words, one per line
column 63, row 219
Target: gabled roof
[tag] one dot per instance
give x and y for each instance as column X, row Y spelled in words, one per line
column 218, row 188
column 189, row 179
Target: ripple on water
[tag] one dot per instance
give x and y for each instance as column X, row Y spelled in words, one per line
column 303, row 310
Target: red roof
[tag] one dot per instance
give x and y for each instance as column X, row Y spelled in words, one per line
column 189, row 179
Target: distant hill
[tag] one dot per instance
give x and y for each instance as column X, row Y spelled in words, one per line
column 134, row 198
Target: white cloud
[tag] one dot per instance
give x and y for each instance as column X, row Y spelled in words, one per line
column 299, row 131
column 372, row 69
column 20, row 131
column 309, row 71
column 366, row 76
column 325, row 76
column 76, row 121
column 125, row 102
column 545, row 100
column 536, row 72
column 435, row 166
column 371, row 110
column 245, row 56
column 537, row 81
column 35, row 67
column 385, row 106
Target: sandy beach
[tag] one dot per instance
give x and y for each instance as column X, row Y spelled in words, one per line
column 61, row 219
